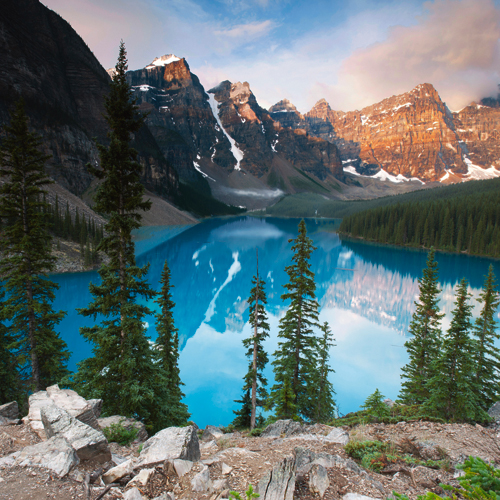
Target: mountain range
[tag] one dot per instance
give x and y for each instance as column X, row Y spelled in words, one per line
column 220, row 143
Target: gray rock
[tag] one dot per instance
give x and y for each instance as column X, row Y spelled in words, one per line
column 117, row 459
column 182, row 467
column 389, row 402
column 9, row 460
column 494, row 411
column 74, row 404
column 318, row 480
column 133, row 494
column 10, row 411
column 356, row 496
column 127, row 423
column 7, row 421
column 116, row 473
column 166, row 495
column 226, row 469
column 211, row 433
column 284, row 428
column 96, row 405
column 202, row 482
column 89, row 443
column 278, row 484
column 170, row 444
column 55, row 454
column 305, row 459
column 142, row 478
column 221, row 484
column 338, row 435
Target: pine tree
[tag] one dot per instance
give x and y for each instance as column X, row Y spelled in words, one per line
column 283, row 402
column 375, row 406
column 296, row 358
column 176, row 412
column 325, row 404
column 423, row 347
column 26, row 258
column 453, row 388
column 122, row 370
column 254, row 379
column 487, row 355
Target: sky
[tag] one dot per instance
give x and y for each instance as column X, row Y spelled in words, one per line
column 353, row 53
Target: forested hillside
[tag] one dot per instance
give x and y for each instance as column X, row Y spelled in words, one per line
column 467, row 220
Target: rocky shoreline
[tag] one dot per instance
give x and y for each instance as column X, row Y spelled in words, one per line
column 59, row 451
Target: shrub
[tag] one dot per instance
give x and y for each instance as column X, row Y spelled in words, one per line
column 117, row 433
column 249, row 494
column 256, row 432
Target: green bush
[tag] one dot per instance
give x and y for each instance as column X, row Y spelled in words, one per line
column 117, row 433
column 256, row 432
column 358, row 450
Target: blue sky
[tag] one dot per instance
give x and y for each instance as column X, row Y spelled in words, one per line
column 353, row 53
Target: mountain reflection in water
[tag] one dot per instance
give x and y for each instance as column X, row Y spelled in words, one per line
column 366, row 293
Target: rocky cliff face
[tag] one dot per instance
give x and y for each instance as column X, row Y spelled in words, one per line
column 261, row 137
column 412, row 135
column 46, row 62
column 180, row 117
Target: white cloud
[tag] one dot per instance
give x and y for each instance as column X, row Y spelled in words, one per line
column 249, row 30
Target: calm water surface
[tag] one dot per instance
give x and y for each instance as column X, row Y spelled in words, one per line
column 366, row 293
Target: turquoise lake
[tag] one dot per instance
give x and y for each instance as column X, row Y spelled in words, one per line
column 366, row 292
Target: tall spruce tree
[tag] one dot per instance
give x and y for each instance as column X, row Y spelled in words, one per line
column 423, row 348
column 167, row 342
column 26, row 258
column 122, row 370
column 487, row 355
column 453, row 388
column 255, row 381
column 325, row 404
column 296, row 359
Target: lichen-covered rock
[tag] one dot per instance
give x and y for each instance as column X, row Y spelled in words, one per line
column 10, row 410
column 318, row 480
column 338, row 435
column 169, row 444
column 55, row 454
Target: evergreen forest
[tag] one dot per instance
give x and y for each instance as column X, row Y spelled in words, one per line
column 468, row 224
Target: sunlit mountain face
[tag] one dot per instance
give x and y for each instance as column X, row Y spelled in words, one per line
column 366, row 293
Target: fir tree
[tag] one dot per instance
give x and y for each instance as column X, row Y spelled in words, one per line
column 122, row 370
column 487, row 355
column 325, row 404
column 375, row 406
column 26, row 258
column 296, row 359
column 423, row 347
column 176, row 412
column 453, row 388
column 282, row 400
column 254, row 379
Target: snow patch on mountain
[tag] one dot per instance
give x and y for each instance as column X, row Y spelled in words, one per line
column 475, row 172
column 163, row 61
column 237, row 153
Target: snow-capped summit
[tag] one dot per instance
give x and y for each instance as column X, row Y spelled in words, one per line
column 163, row 60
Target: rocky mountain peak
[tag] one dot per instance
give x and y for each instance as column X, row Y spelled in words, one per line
column 240, row 92
column 283, row 106
column 163, row 61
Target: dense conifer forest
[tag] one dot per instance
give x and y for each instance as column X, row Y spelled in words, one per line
column 467, row 222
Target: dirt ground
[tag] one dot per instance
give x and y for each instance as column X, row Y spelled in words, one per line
column 238, row 461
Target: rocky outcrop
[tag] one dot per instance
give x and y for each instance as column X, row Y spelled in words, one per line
column 412, row 135
column 286, row 114
column 88, row 443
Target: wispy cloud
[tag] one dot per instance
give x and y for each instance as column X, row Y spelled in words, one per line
column 249, row 30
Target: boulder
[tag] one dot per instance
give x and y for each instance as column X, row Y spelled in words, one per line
column 202, row 482
column 318, row 480
column 338, row 435
column 116, row 473
column 10, row 411
column 211, row 433
column 170, row 444
column 182, row 467
column 55, row 454
column 133, row 494
column 127, row 423
column 494, row 411
column 8, row 421
column 284, row 428
column 88, row 442
column 305, row 459
column 278, row 484
column 66, row 399
column 142, row 478
column 96, row 405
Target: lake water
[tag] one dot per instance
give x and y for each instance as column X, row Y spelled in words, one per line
column 366, row 293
